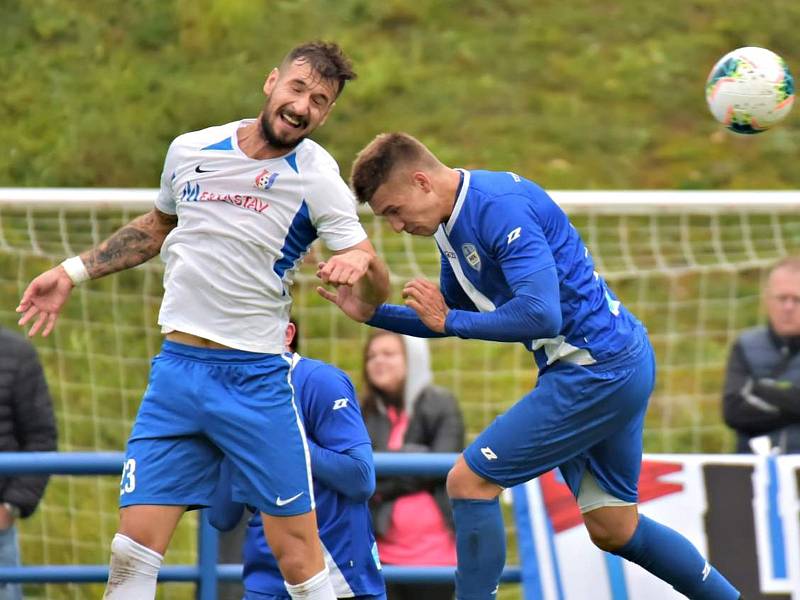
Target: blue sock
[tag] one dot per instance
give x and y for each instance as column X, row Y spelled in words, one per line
column 672, row 558
column 481, row 547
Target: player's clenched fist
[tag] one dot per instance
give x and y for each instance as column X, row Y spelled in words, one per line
column 427, row 301
column 345, row 268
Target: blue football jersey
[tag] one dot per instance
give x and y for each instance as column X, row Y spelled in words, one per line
column 502, row 231
column 332, row 418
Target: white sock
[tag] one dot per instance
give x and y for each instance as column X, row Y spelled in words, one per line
column 133, row 571
column 319, row 587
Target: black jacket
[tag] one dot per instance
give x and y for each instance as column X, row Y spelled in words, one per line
column 436, row 425
column 762, row 389
column 26, row 417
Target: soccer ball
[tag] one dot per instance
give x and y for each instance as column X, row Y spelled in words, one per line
column 750, row 89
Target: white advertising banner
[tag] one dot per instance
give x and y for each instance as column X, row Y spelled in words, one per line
column 742, row 513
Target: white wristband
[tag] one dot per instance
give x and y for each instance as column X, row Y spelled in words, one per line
column 76, row 270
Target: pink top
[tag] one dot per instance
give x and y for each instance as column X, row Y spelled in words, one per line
column 417, row 534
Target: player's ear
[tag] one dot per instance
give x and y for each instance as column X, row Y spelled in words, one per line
column 291, row 331
column 271, row 80
column 422, row 181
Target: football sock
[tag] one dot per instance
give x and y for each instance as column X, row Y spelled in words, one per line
column 672, row 558
column 133, row 571
column 481, row 548
column 318, row 587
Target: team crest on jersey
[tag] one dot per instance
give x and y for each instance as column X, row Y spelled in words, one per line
column 472, row 256
column 265, row 179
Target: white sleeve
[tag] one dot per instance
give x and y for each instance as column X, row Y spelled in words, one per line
column 165, row 201
column 332, row 209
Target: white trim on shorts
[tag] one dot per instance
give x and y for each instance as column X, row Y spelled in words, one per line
column 591, row 496
column 293, row 360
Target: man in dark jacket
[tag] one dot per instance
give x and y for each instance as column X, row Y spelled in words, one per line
column 26, row 425
column 761, row 399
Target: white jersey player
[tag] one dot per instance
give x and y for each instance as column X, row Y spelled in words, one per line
column 247, row 250
column 239, row 206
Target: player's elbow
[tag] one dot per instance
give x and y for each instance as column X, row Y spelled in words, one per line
column 549, row 324
column 364, row 486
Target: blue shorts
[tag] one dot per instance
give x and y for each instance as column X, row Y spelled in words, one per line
column 577, row 417
column 201, row 404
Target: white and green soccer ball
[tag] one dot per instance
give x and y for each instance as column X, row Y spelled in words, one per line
column 750, row 89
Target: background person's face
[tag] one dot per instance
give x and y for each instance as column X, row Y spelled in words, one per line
column 386, row 363
column 783, row 301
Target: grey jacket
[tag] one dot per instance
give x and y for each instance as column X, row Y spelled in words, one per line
column 26, row 417
column 762, row 389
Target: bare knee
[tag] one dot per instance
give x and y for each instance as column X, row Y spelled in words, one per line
column 151, row 526
column 293, row 565
column 464, row 483
column 610, row 528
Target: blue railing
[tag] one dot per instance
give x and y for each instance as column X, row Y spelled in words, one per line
column 206, row 573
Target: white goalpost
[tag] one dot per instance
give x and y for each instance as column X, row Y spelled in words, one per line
column 689, row 264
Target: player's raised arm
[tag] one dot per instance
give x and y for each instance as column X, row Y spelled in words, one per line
column 133, row 244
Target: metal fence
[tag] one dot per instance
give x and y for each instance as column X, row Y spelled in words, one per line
column 206, row 572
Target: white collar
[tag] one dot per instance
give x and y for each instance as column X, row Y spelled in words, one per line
column 462, row 195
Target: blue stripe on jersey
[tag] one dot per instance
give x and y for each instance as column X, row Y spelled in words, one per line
column 300, row 236
column 292, row 160
column 225, row 144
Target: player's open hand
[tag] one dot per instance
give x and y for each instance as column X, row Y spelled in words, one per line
column 346, row 298
column 427, row 301
column 345, row 268
column 43, row 299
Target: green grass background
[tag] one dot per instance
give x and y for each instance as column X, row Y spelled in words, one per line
column 575, row 95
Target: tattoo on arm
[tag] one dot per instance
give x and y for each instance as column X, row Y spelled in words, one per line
column 131, row 245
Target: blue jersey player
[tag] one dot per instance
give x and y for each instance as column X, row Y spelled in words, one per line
column 344, row 479
column 514, row 269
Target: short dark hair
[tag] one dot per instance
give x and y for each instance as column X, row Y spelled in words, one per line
column 375, row 164
column 326, row 58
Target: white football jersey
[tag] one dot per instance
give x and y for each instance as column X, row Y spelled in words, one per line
column 244, row 226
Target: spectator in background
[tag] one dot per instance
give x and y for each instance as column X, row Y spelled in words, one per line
column 26, row 425
column 762, row 385
column 404, row 412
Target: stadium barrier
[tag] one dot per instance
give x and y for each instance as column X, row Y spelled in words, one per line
column 741, row 511
column 206, row 573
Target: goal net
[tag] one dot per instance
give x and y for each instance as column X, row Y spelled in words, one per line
column 690, row 265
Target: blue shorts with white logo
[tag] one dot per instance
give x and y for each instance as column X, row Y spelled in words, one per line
column 201, row 404
column 577, row 417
